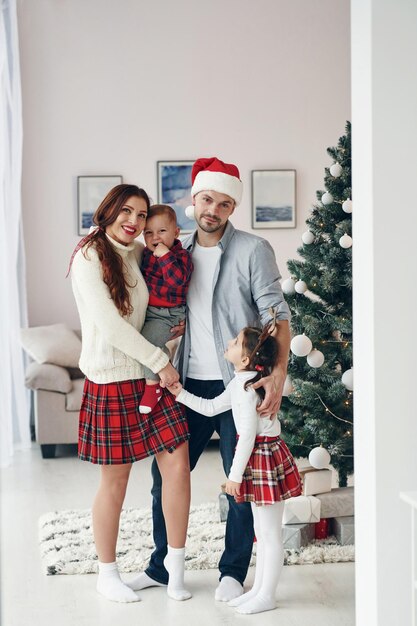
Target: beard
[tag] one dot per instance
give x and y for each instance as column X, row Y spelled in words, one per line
column 209, row 228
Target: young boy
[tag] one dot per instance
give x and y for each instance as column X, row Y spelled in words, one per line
column 166, row 268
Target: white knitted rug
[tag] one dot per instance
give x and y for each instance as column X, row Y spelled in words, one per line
column 67, row 546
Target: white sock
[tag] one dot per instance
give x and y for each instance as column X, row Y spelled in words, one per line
column 228, row 589
column 143, row 581
column 260, row 547
column 256, row 583
column 174, row 563
column 110, row 585
column 257, row 604
column 270, row 520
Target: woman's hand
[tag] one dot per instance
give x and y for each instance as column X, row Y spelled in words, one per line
column 168, row 375
column 232, row 488
column 178, row 331
column 175, row 389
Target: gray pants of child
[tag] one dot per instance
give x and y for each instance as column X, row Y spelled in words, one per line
column 157, row 328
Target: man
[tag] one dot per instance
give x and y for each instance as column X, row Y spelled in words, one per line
column 235, row 283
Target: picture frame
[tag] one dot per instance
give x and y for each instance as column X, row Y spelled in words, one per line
column 174, row 189
column 90, row 192
column 273, row 199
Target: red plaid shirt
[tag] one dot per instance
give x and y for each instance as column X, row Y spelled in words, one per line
column 167, row 276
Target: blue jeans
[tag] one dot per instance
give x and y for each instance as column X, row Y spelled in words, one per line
column 239, row 525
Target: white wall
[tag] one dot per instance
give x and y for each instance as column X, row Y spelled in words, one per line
column 112, row 87
column 384, row 104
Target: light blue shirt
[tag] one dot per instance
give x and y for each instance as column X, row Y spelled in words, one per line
column 246, row 284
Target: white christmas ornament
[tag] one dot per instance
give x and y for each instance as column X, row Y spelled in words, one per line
column 315, row 358
column 327, row 198
column 189, row 212
column 319, row 457
column 347, row 379
column 345, row 241
column 288, row 387
column 336, row 170
column 301, row 345
column 288, row 286
column 300, row 286
column 347, row 206
column 307, row 237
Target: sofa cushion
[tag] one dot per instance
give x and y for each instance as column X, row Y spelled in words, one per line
column 74, row 397
column 55, row 344
column 49, row 377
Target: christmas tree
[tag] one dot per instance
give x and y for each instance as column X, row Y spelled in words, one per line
column 317, row 404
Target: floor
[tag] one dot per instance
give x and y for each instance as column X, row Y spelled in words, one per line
column 320, row 595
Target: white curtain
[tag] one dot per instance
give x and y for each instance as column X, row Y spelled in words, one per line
column 14, row 405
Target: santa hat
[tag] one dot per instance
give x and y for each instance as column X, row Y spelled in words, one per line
column 213, row 175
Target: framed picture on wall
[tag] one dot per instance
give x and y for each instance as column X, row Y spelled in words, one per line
column 90, row 192
column 174, row 188
column 273, row 198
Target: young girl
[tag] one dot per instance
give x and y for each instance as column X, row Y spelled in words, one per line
column 263, row 470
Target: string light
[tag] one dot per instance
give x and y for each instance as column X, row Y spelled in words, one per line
column 331, row 412
column 336, row 341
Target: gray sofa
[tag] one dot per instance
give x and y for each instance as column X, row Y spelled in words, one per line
column 56, row 384
column 56, row 415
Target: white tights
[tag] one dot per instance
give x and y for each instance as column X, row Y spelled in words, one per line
column 269, row 560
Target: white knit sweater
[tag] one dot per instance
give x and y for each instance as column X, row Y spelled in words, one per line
column 112, row 347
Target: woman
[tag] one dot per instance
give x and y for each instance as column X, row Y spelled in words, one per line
column 112, row 297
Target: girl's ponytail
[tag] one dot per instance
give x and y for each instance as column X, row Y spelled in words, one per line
column 262, row 350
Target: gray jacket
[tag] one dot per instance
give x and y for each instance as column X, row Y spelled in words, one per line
column 245, row 285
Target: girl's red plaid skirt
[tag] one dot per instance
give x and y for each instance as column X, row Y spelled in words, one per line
column 271, row 474
column 111, row 429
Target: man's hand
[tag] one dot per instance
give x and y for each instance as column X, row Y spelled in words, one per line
column 273, row 385
column 178, row 331
column 160, row 250
column 232, row 488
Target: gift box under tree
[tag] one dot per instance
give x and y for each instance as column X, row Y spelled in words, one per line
column 315, row 480
column 343, row 528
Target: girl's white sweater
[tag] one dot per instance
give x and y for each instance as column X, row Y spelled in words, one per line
column 248, row 422
column 112, row 347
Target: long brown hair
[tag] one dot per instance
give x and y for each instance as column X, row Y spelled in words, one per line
column 262, row 350
column 111, row 261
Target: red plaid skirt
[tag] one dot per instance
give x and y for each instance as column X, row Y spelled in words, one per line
column 271, row 474
column 111, row 429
